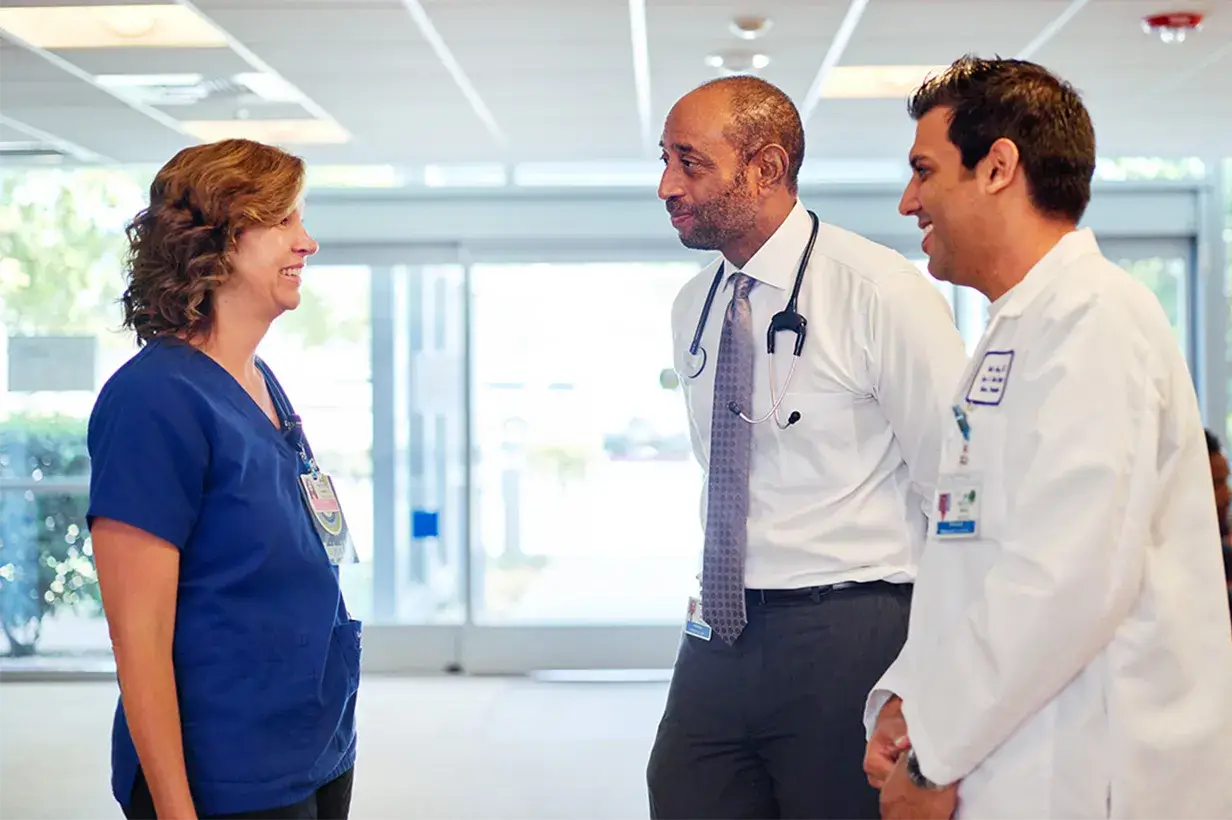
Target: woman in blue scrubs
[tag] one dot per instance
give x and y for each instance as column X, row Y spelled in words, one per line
column 216, row 535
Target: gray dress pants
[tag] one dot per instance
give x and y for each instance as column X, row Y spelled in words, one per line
column 772, row 727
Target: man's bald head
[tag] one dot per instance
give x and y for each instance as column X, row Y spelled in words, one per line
column 759, row 114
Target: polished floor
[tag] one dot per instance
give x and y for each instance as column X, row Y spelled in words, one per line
column 431, row 748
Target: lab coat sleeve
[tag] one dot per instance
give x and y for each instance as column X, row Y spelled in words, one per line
column 893, row 682
column 1079, row 460
column 916, row 358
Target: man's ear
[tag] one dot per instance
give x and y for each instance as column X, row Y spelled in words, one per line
column 771, row 164
column 999, row 166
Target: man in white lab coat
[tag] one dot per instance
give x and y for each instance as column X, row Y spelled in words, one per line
column 1068, row 652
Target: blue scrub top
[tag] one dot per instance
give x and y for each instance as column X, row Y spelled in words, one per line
column 266, row 657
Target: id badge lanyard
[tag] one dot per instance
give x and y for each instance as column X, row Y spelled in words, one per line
column 956, row 514
column 292, row 426
column 317, row 488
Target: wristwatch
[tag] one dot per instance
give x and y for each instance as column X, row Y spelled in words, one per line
column 917, row 777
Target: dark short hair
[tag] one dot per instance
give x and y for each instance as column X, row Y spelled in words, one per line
column 761, row 115
column 180, row 244
column 1212, row 443
column 1023, row 102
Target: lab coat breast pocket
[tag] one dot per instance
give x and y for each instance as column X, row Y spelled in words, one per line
column 815, row 451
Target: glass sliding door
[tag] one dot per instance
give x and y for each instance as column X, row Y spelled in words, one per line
column 420, row 570
column 585, row 486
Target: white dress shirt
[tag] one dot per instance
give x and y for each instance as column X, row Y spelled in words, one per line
column 840, row 495
column 1071, row 658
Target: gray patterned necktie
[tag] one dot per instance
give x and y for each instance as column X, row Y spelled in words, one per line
column 731, row 448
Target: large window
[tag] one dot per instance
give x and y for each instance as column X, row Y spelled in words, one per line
column 320, row 352
column 61, row 238
column 61, row 244
column 507, row 439
column 585, row 485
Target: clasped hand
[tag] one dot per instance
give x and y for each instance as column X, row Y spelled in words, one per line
column 885, row 764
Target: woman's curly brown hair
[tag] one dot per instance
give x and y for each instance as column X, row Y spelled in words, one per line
column 180, row 246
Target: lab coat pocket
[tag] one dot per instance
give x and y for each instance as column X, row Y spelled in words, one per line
column 811, row 452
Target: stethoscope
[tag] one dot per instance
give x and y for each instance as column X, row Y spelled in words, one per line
column 788, row 319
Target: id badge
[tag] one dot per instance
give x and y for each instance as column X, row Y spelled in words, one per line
column 956, row 513
column 327, row 517
column 693, row 624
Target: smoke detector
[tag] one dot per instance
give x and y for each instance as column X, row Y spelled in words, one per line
column 1174, row 26
column 737, row 61
column 750, row 27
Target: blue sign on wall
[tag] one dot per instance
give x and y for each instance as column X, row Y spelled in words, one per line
column 425, row 524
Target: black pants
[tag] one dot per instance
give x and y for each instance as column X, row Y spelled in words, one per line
column 772, row 727
column 330, row 802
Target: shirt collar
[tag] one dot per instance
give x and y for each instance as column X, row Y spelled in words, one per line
column 1071, row 247
column 776, row 261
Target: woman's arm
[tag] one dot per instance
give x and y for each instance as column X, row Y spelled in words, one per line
column 138, row 575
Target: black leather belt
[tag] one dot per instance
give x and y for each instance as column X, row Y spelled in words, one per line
column 755, row 597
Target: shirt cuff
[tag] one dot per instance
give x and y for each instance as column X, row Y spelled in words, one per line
column 877, row 699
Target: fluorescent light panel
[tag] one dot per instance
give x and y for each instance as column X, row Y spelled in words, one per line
column 869, row 82
column 131, row 26
column 355, row 176
column 465, row 175
column 274, row 132
column 586, row 174
column 168, row 89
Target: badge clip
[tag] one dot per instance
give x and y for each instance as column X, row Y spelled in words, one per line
column 964, row 427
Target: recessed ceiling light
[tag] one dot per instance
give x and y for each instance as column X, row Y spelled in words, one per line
column 875, row 81
column 122, row 26
column 274, row 132
column 750, row 27
column 737, row 61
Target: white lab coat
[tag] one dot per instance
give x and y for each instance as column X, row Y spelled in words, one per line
column 1074, row 659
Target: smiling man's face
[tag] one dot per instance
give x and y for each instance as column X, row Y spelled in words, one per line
column 945, row 199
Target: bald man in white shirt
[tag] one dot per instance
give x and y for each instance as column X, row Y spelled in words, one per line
column 819, row 467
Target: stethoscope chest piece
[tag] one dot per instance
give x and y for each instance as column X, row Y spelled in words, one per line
column 694, row 363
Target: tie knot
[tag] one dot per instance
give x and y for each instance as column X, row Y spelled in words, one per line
column 741, row 285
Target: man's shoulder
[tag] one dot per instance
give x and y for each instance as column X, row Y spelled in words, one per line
column 858, row 256
column 1098, row 292
column 1095, row 316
